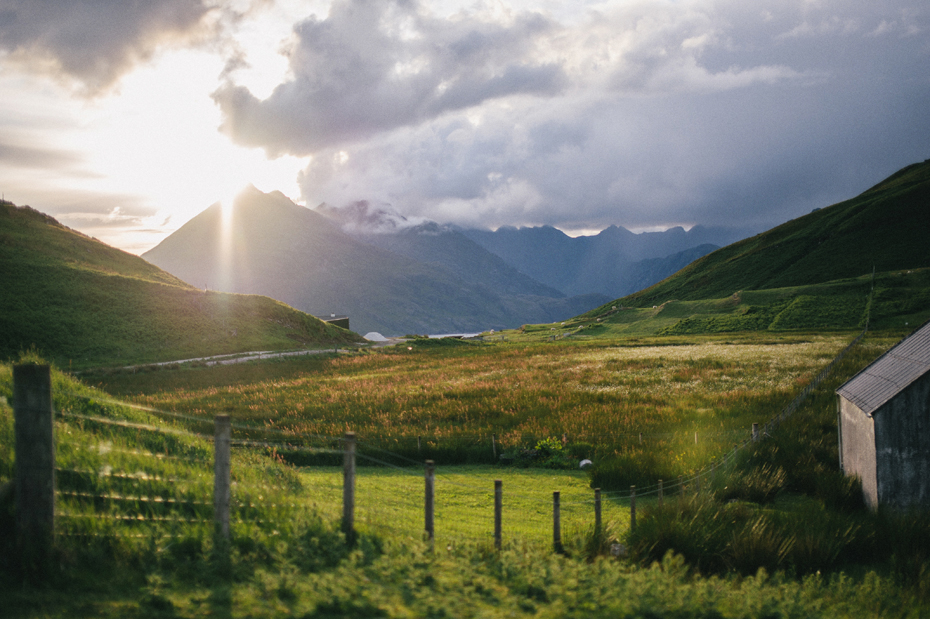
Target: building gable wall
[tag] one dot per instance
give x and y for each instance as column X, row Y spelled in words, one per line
column 857, row 448
column 902, row 446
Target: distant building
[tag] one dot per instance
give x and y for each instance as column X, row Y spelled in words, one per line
column 884, row 425
column 333, row 319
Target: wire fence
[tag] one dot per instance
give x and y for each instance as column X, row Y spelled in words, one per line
column 134, row 471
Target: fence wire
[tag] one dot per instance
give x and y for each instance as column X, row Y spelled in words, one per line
column 464, row 510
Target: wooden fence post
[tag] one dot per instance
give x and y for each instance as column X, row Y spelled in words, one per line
column 494, row 445
column 429, row 499
column 632, row 508
column 597, row 511
column 556, row 523
column 35, row 464
column 348, row 488
column 222, row 438
column 755, row 433
column 498, row 508
column 660, row 493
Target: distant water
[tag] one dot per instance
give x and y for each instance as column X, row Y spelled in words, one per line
column 454, row 335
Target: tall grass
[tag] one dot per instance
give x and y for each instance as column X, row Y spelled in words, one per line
column 786, row 506
column 639, row 404
column 286, row 558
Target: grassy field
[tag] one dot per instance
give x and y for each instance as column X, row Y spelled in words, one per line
column 118, row 556
column 642, row 401
column 390, row 503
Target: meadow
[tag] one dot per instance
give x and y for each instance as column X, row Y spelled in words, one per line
column 120, row 555
column 664, row 406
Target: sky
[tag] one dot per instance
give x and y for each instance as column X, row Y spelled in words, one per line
column 125, row 119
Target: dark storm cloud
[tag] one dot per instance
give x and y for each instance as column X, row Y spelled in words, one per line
column 370, row 67
column 91, row 41
column 712, row 112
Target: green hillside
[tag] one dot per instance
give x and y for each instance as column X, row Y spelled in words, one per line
column 81, row 303
column 865, row 260
column 885, row 228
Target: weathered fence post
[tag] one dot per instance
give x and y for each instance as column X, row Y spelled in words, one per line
column 597, row 511
column 632, row 508
column 222, row 438
column 660, row 493
column 755, row 433
column 35, row 464
column 498, row 508
column 418, row 444
column 494, row 445
column 348, row 488
column 695, row 438
column 429, row 498
column 556, row 523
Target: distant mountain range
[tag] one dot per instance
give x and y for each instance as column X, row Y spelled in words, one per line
column 615, row 262
column 396, row 276
column 274, row 247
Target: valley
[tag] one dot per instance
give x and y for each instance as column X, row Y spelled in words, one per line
column 659, row 389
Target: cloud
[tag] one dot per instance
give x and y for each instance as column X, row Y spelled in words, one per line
column 371, row 67
column 641, row 113
column 94, row 43
column 363, row 217
column 12, row 155
column 693, row 112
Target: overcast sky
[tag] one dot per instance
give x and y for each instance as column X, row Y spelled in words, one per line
column 125, row 119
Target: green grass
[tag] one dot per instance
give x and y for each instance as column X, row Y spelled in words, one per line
column 81, row 303
column 641, row 402
column 786, row 506
column 287, row 558
column 900, row 302
column 389, row 503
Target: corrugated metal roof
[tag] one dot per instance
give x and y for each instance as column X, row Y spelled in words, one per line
column 891, row 373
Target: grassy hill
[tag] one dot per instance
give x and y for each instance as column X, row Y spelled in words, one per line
column 80, row 302
column 814, row 273
column 884, row 228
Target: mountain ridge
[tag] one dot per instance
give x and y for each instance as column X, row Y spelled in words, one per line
column 612, row 262
column 299, row 256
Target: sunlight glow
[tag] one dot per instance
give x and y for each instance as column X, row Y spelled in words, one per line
column 159, row 138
